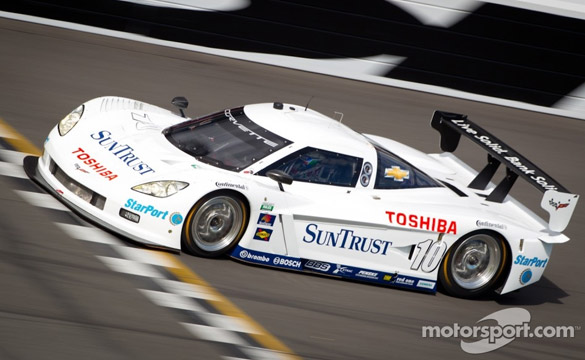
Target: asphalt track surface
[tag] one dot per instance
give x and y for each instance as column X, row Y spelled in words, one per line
column 59, row 302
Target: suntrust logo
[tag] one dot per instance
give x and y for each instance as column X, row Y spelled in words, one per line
column 512, row 323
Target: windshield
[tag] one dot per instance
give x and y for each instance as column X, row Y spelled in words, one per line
column 228, row 139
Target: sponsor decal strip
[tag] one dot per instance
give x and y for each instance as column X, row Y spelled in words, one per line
column 345, row 271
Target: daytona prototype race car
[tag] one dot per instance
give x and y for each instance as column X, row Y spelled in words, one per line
column 284, row 186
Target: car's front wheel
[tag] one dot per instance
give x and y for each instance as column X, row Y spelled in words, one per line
column 474, row 265
column 215, row 224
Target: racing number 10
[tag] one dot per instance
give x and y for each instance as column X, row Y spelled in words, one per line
column 428, row 255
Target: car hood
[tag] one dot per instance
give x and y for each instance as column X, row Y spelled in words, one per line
column 127, row 140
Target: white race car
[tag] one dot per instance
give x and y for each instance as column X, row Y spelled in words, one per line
column 284, row 186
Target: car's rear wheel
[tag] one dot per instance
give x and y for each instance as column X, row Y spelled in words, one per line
column 474, row 265
column 215, row 224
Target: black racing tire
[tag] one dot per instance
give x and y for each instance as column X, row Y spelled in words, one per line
column 475, row 265
column 215, row 224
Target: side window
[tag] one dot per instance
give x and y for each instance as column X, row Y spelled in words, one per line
column 320, row 167
column 394, row 173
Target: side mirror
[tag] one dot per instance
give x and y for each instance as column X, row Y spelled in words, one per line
column 180, row 102
column 281, row 177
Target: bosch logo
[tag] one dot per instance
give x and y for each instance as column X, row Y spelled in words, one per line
column 287, row 262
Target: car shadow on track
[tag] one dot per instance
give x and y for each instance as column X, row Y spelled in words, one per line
column 545, row 291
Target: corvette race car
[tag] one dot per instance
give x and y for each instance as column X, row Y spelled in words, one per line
column 284, row 186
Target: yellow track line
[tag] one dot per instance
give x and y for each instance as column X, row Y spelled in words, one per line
column 16, row 140
column 226, row 307
column 180, row 270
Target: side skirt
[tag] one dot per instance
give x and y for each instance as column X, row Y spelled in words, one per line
column 335, row 270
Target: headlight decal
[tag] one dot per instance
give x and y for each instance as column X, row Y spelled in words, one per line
column 161, row 189
column 69, row 121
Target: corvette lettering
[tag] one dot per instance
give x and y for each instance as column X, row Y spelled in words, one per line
column 422, row 222
column 146, row 209
column 228, row 114
column 122, row 152
column 345, row 239
column 526, row 261
column 93, row 164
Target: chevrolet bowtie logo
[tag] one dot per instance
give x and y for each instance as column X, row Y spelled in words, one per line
column 397, row 173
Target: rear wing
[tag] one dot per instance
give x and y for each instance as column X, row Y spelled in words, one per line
column 557, row 200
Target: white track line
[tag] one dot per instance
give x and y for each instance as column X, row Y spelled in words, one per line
column 41, row 199
column 215, row 334
column 144, row 256
column 11, row 156
column 227, row 322
column 130, row 267
column 12, row 170
column 173, row 301
column 87, row 233
column 186, row 289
